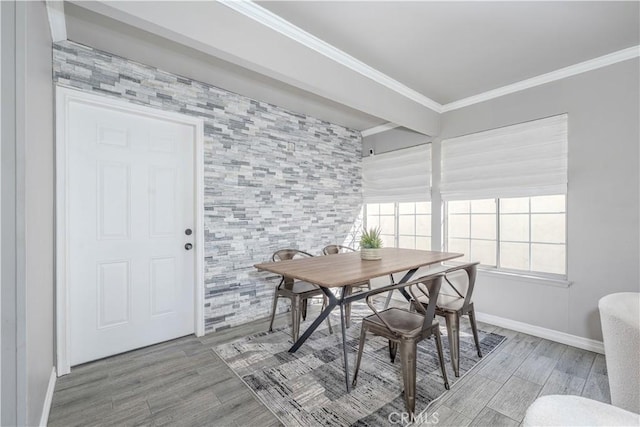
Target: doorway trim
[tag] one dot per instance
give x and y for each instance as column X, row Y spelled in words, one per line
column 64, row 98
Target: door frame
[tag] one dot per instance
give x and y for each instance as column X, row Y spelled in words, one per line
column 64, row 98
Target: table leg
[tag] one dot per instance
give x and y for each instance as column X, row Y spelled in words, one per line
column 388, row 301
column 344, row 348
column 347, row 307
column 323, row 315
column 404, row 293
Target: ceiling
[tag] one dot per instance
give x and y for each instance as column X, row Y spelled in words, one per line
column 452, row 50
column 363, row 63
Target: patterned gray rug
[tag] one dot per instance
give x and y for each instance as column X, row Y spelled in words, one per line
column 307, row 388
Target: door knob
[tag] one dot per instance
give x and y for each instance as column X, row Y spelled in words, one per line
column 188, row 246
column 188, row 232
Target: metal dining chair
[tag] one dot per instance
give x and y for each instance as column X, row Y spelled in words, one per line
column 454, row 301
column 404, row 329
column 336, row 249
column 297, row 291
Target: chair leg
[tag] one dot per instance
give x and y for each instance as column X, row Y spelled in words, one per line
column 325, row 302
column 303, row 308
column 273, row 310
column 474, row 328
column 393, row 350
column 363, row 337
column 408, row 350
column 295, row 318
column 453, row 328
column 441, row 357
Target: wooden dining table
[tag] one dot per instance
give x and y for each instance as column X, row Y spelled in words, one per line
column 345, row 269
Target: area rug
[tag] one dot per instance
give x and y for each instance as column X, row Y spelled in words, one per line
column 307, row 388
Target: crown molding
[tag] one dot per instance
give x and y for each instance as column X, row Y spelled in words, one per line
column 57, row 21
column 265, row 17
column 286, row 28
column 378, row 129
column 572, row 70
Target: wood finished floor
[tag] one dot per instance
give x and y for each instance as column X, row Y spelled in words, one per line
column 183, row 382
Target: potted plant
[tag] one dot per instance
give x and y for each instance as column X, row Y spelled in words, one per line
column 370, row 244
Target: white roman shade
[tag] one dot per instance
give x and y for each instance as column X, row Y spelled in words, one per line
column 398, row 176
column 526, row 159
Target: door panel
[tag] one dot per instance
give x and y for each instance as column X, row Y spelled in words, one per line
column 113, row 293
column 130, row 198
column 163, row 285
column 114, row 200
column 162, row 191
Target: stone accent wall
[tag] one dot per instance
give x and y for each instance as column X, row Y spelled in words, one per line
column 273, row 178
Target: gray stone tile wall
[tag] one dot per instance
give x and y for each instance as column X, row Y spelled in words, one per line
column 259, row 195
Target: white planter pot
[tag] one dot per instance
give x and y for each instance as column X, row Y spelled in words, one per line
column 370, row 254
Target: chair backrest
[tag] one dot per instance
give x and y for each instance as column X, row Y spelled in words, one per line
column 336, row 249
column 287, row 254
column 428, row 286
column 620, row 320
column 459, row 281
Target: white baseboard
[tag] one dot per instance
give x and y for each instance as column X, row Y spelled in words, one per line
column 48, row 398
column 538, row 331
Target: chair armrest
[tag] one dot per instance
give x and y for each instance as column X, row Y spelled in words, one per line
column 431, row 293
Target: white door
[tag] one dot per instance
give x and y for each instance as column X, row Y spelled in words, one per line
column 130, row 204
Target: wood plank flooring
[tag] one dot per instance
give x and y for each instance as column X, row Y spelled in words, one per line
column 183, row 382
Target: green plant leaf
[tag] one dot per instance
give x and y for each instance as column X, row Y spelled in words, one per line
column 370, row 239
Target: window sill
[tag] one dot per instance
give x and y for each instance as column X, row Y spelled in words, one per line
column 546, row 281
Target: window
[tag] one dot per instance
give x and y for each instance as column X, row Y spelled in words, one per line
column 382, row 215
column 505, row 196
column 524, row 234
column 403, row 224
column 471, row 230
column 397, row 191
column 533, row 234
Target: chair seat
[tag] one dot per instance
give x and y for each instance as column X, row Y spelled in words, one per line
column 401, row 321
column 449, row 303
column 446, row 302
column 360, row 285
column 301, row 287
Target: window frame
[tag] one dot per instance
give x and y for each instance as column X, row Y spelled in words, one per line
column 396, row 220
column 498, row 268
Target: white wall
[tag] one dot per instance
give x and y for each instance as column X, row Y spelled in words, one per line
column 392, row 139
column 603, row 198
column 7, row 195
column 27, row 212
column 36, row 91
